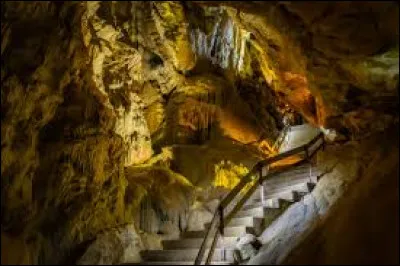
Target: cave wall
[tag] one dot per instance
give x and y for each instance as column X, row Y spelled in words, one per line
column 351, row 215
column 363, row 226
column 336, row 63
column 90, row 89
column 62, row 164
column 103, row 102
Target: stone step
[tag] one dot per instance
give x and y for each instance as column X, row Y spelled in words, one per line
column 185, row 255
column 242, row 221
column 285, row 195
column 273, row 214
column 190, row 243
column 292, row 169
column 228, row 232
column 249, row 221
column 305, row 187
column 270, row 203
column 290, row 182
column 257, row 212
column 299, row 195
column 176, row 263
column 304, row 168
column 237, row 230
column 239, row 221
column 298, row 185
column 282, row 180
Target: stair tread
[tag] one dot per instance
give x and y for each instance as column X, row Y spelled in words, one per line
column 187, row 243
column 287, row 195
column 194, row 250
column 303, row 186
column 289, row 200
column 233, row 224
column 176, row 262
column 257, row 212
column 185, row 254
column 279, row 180
column 193, row 238
column 228, row 231
column 266, row 204
column 245, row 221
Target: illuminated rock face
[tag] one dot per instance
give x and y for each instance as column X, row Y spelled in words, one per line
column 335, row 53
column 105, row 102
column 342, row 210
column 114, row 247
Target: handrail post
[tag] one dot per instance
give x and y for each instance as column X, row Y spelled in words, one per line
column 260, row 182
column 309, row 162
column 221, row 227
column 221, row 219
column 306, row 151
column 260, row 175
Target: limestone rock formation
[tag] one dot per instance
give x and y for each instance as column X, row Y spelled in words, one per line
column 328, row 57
column 114, row 247
column 105, row 104
column 366, row 217
column 315, row 229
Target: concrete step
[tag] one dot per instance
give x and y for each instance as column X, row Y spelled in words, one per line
column 299, row 195
column 257, row 212
column 230, row 231
column 176, row 263
column 294, row 171
column 270, row 203
column 184, row 255
column 305, row 167
column 300, row 185
column 247, row 221
column 285, row 195
column 242, row 221
column 282, row 180
column 273, row 214
column 271, row 192
column 290, row 182
column 190, row 243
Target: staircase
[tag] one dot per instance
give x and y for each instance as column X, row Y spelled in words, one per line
column 281, row 189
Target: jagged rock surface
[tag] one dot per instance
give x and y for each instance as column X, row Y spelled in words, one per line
column 312, row 230
column 102, row 101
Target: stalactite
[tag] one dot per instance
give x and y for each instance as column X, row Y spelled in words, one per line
column 225, row 46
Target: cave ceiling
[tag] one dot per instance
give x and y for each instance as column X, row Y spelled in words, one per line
column 96, row 96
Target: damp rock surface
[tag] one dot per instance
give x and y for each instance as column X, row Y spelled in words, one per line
column 107, row 104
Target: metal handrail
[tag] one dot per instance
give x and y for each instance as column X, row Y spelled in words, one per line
column 219, row 220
